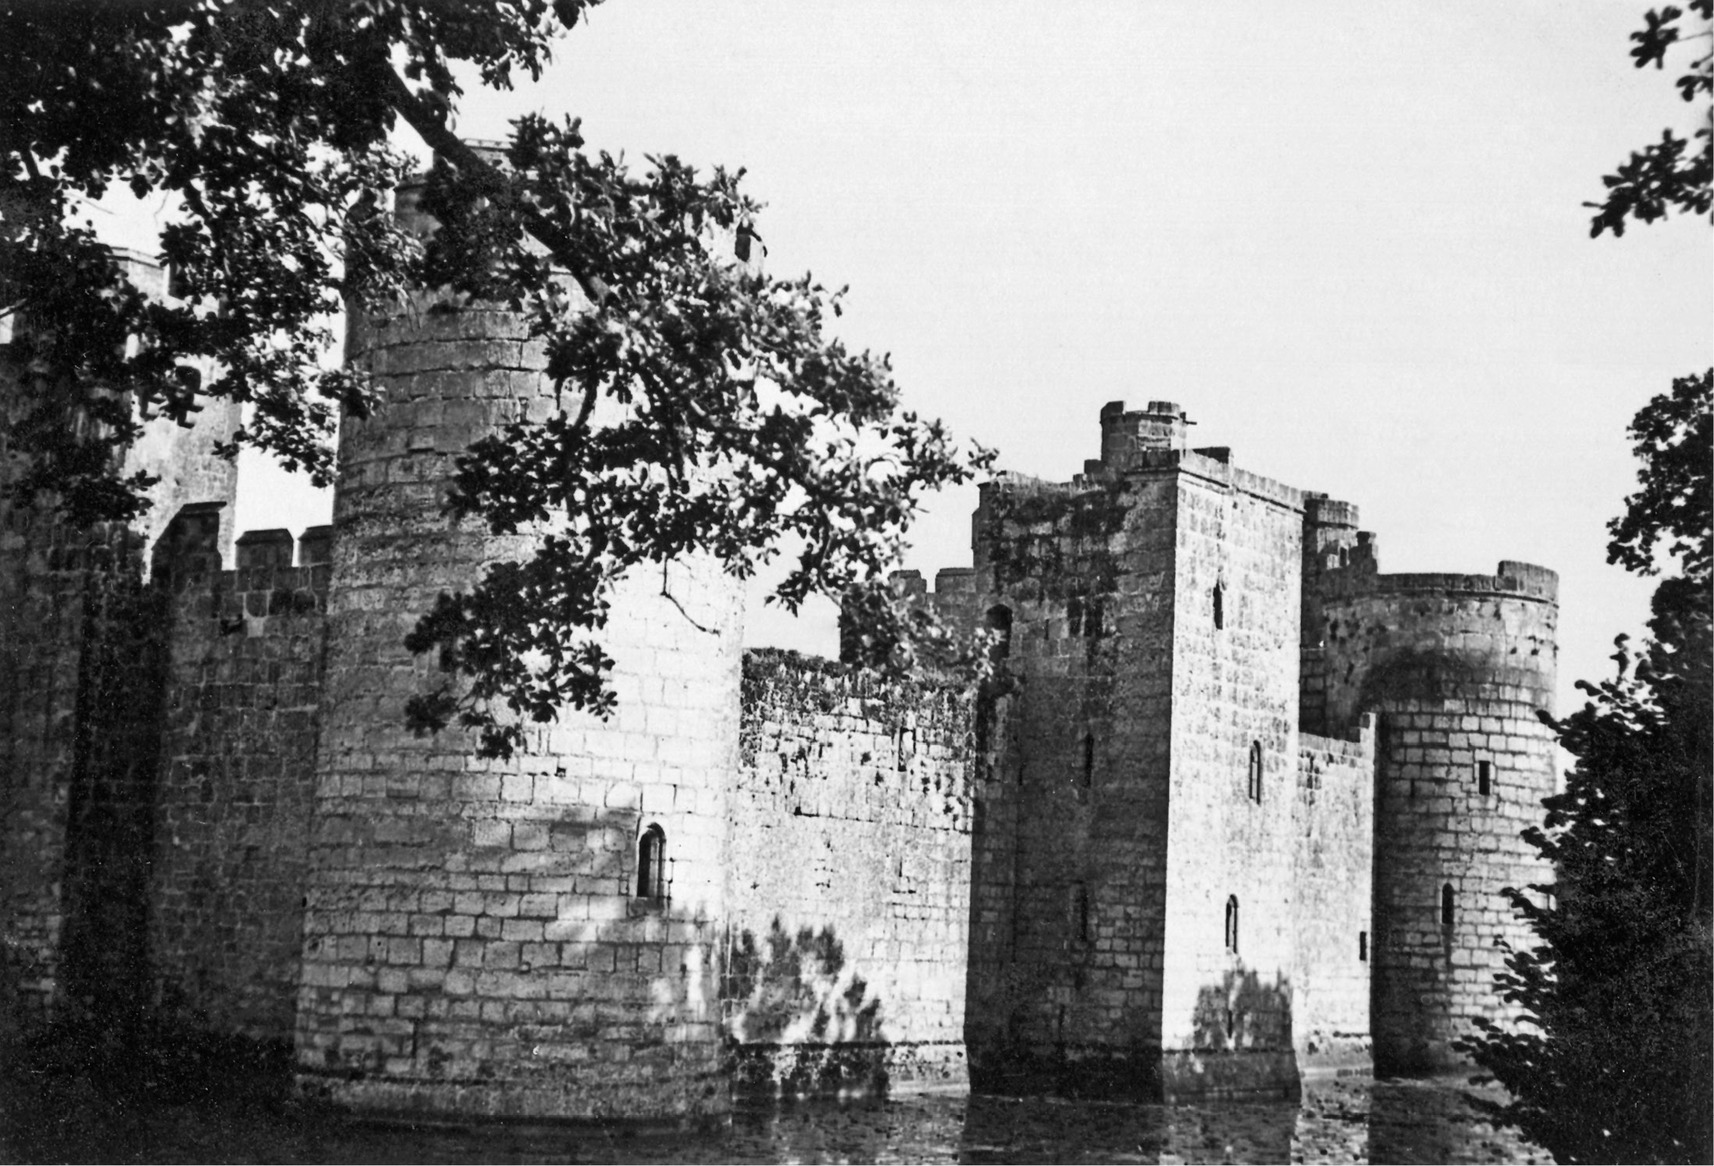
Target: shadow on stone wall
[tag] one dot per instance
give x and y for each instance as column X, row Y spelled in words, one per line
column 798, row 1019
column 110, row 814
column 1429, row 674
column 1241, row 1042
column 1241, row 1012
column 1435, row 1120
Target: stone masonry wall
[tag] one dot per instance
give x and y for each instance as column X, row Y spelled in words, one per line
column 1455, row 667
column 1332, row 547
column 1227, row 999
column 848, row 882
column 1066, row 978
column 233, row 799
column 80, row 676
column 76, row 685
column 1331, row 879
column 476, row 939
column 41, row 623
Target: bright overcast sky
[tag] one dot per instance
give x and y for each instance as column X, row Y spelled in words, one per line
column 1347, row 238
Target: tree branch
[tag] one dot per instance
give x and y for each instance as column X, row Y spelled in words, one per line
column 673, row 599
column 492, row 182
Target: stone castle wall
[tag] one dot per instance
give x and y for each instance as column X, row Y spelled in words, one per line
column 1333, row 829
column 1227, row 999
column 848, row 883
column 42, row 597
column 81, row 661
column 1070, row 864
column 242, row 710
column 1140, row 859
column 78, row 692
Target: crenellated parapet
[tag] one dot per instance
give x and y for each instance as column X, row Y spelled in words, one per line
column 274, row 574
column 1125, row 434
column 240, row 718
column 954, row 599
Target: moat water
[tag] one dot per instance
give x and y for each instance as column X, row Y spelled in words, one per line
column 1345, row 1121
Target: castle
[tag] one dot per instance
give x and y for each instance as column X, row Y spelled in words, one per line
column 1235, row 808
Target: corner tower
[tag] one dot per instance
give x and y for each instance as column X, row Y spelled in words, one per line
column 528, row 937
column 1455, row 667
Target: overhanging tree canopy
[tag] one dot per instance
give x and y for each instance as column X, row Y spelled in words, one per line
column 269, row 122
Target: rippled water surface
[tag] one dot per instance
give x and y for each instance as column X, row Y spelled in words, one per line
column 1354, row 1120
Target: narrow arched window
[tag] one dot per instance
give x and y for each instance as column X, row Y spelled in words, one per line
column 1254, row 788
column 652, row 863
column 1080, row 911
column 1000, row 623
column 1446, row 906
column 1484, row 777
column 1219, row 606
column 1088, row 758
column 1232, row 924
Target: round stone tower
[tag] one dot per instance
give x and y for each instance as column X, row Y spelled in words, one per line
column 1456, row 666
column 527, row 937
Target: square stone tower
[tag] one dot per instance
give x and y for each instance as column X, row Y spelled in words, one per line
column 1149, row 834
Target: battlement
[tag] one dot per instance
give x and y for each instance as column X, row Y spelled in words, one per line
column 1358, row 747
column 1331, row 540
column 1150, row 440
column 954, row 600
column 950, row 583
column 1124, row 434
column 1511, row 580
column 265, row 581
column 1321, row 510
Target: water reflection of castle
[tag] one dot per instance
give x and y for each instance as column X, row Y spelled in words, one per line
column 1238, row 804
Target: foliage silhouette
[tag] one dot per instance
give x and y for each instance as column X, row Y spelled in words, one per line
column 267, row 130
column 1242, row 1012
column 1614, row 1056
column 1673, row 173
column 799, row 1022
